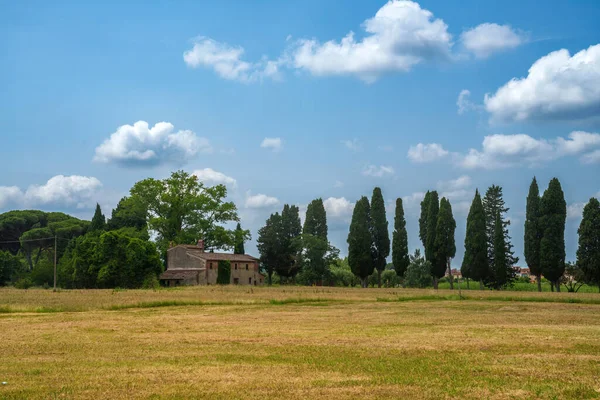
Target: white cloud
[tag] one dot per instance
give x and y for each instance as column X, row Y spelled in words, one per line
column 353, row 144
column 464, row 104
column 338, row 184
column 260, row 201
column 413, row 200
column 485, row 39
column 399, row 36
column 138, row 144
column 501, row 151
column 378, row 171
column 212, row 177
column 423, row 153
column 557, row 86
column 227, row 61
column 575, row 210
column 274, row 144
column 461, row 182
column 61, row 191
column 338, row 207
column 591, row 158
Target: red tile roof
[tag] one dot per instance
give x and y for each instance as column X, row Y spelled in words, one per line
column 198, row 252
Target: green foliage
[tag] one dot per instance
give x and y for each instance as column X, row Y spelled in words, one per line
column 493, row 203
column 224, row 272
column 24, row 283
column 13, row 224
column 315, row 222
column 43, row 273
column 400, row 258
column 129, row 213
column 390, row 279
column 98, row 220
column 10, row 266
column 432, row 217
column 238, row 248
column 291, row 242
column 315, row 263
column 500, row 276
column 360, row 241
column 588, row 251
column 151, row 282
column 475, row 260
column 341, row 274
column 553, row 211
column 445, row 246
column 423, row 218
column 182, row 210
column 418, row 273
column 533, row 234
column 573, row 278
column 379, row 232
column 269, row 244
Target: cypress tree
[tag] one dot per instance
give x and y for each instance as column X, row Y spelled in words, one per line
column 533, row 233
column 98, row 221
column 475, row 262
column 588, row 251
column 400, row 257
column 360, row 242
column 493, row 203
column 445, row 246
column 499, row 276
column 423, row 218
column 315, row 243
column 291, row 243
column 379, row 232
column 238, row 247
column 269, row 245
column 553, row 210
column 432, row 217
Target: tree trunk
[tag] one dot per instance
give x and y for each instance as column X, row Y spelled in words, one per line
column 552, row 286
column 363, row 282
column 538, row 278
column 379, row 278
column 270, row 274
column 480, row 285
column 435, row 282
column 558, row 285
column 468, row 287
column 451, row 277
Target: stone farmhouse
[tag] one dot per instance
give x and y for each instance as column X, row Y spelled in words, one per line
column 191, row 265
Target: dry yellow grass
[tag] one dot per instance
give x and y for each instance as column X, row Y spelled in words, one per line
column 276, row 343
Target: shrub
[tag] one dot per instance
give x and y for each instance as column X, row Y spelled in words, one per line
column 24, row 283
column 224, row 273
column 151, row 282
column 418, row 273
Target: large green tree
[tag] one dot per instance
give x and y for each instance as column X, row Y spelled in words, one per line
column 360, row 242
column 553, row 211
column 475, row 261
column 269, row 244
column 98, row 220
column 238, row 248
column 423, row 218
column 379, row 233
column 444, row 244
column 533, row 234
column 493, row 204
column 182, row 210
column 129, row 213
column 500, row 276
column 291, row 242
column 317, row 252
column 418, row 273
column 432, row 217
column 400, row 257
column 588, row 251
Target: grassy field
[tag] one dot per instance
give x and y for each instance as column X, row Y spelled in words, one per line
column 298, row 343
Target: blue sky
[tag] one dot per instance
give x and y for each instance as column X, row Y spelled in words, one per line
column 280, row 101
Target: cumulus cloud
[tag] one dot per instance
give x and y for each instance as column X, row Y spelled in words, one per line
column 378, row 171
column 227, row 61
column 591, row 158
column 274, row 144
column 353, row 144
column 211, row 177
column 464, row 104
column 338, row 207
column 399, row 36
column 501, row 151
column 260, row 200
column 461, row 182
column 140, row 145
column 423, row 153
column 488, row 38
column 558, row 86
column 413, row 200
column 575, row 210
column 60, row 191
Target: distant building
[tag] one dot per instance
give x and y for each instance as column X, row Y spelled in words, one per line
column 524, row 273
column 190, row 265
column 456, row 274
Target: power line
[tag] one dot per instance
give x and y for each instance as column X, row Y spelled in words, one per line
column 33, row 240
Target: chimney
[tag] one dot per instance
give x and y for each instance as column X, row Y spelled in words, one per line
column 201, row 245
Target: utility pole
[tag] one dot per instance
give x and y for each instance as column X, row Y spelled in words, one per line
column 55, row 263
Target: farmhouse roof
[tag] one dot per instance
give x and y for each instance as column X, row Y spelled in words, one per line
column 200, row 253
